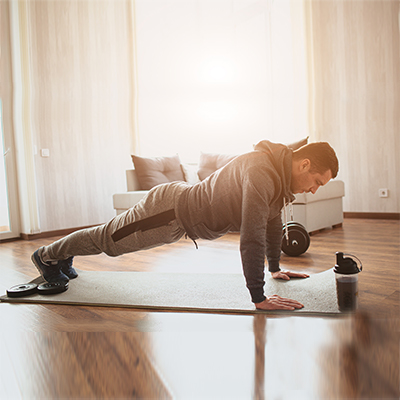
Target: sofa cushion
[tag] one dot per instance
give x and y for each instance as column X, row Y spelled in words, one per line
column 190, row 173
column 209, row 163
column 155, row 171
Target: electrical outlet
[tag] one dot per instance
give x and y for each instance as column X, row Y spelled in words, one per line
column 45, row 152
column 383, row 193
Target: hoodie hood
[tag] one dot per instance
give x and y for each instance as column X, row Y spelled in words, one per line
column 281, row 157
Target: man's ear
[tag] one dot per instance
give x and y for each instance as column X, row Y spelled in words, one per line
column 305, row 165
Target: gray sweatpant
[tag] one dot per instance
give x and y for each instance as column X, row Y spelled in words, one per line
column 98, row 239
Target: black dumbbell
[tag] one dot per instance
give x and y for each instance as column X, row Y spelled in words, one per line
column 298, row 241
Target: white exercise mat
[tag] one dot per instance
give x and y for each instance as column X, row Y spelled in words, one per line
column 187, row 292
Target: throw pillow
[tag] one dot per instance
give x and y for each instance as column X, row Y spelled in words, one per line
column 209, row 163
column 155, row 171
column 190, row 173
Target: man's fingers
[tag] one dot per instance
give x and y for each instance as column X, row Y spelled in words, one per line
column 286, row 275
column 296, row 274
column 285, row 302
column 276, row 302
column 280, row 275
column 282, row 306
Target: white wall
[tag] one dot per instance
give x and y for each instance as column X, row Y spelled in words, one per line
column 80, row 55
column 357, row 96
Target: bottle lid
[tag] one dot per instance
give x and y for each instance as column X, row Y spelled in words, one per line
column 345, row 265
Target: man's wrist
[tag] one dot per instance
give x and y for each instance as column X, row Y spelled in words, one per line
column 274, row 268
column 273, row 265
column 257, row 295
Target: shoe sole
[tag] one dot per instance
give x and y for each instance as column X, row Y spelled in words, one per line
column 70, row 277
column 75, row 274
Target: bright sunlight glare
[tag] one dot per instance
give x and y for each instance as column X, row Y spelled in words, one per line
column 218, row 70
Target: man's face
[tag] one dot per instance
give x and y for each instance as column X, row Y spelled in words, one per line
column 305, row 181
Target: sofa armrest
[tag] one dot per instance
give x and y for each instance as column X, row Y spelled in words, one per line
column 124, row 201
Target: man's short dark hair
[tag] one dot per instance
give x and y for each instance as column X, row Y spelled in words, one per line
column 321, row 155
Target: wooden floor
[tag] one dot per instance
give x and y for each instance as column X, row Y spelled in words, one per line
column 57, row 351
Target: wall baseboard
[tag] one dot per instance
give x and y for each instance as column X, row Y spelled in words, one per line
column 372, row 215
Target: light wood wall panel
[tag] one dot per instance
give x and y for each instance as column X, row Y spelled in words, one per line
column 81, row 58
column 357, row 96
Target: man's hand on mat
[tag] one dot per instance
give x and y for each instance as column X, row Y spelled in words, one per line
column 276, row 302
column 286, row 275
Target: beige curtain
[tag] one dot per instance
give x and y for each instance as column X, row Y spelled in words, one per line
column 75, row 88
column 28, row 204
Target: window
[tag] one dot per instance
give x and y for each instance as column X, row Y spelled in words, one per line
column 218, row 76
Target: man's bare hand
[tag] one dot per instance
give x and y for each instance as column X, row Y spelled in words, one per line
column 286, row 275
column 276, row 302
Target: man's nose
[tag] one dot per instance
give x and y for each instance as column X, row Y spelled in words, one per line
column 314, row 189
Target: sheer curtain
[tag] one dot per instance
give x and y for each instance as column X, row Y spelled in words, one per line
column 218, row 76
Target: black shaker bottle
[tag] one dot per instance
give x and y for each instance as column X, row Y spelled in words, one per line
column 346, row 273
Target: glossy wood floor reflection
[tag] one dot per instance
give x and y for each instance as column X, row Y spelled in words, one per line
column 57, row 351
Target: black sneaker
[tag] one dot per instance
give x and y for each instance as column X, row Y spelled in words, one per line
column 50, row 272
column 67, row 268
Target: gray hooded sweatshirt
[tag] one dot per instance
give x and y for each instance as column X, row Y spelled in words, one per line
column 245, row 196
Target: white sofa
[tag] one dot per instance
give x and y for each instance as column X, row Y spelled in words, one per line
column 321, row 210
column 314, row 211
column 124, row 201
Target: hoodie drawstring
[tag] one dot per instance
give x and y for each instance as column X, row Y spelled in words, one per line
column 285, row 216
column 186, row 236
